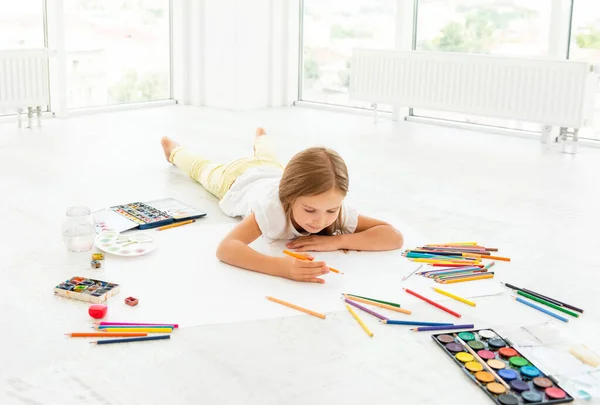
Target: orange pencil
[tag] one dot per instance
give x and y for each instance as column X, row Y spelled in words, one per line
column 175, row 225
column 301, row 257
column 504, row 259
column 296, row 307
column 106, row 334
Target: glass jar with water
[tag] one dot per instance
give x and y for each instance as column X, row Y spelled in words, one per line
column 78, row 229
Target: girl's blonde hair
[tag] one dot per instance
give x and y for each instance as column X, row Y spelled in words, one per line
column 311, row 172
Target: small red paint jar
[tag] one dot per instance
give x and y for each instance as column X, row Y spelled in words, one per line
column 98, row 311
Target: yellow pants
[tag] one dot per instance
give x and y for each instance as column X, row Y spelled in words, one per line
column 217, row 178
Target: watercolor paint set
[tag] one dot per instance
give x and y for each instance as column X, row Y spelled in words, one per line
column 87, row 289
column 503, row 373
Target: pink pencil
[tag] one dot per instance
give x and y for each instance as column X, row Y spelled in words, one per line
column 175, row 325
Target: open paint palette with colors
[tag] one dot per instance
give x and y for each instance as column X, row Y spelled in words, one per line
column 527, row 383
column 87, row 289
column 136, row 244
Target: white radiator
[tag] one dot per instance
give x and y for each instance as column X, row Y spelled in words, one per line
column 24, row 79
column 549, row 92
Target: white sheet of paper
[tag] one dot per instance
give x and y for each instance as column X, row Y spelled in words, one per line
column 107, row 219
column 183, row 281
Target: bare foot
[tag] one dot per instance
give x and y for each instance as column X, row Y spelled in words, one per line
column 168, row 145
column 259, row 132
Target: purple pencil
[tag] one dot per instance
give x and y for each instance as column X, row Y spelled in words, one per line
column 367, row 310
column 175, row 325
column 430, row 328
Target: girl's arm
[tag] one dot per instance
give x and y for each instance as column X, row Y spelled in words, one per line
column 370, row 234
column 234, row 250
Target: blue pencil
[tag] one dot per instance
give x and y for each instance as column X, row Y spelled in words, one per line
column 134, row 339
column 430, row 328
column 415, row 323
column 521, row 300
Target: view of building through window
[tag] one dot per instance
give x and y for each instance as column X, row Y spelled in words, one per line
column 117, row 51
column 506, row 28
column 331, row 29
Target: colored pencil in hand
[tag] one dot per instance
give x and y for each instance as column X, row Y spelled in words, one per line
column 360, row 322
column 302, row 257
column 134, row 339
column 435, row 304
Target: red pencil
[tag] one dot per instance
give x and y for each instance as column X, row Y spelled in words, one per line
column 435, row 304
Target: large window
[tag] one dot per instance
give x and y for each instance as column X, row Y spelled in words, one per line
column 331, row 29
column 117, row 51
column 495, row 27
column 585, row 45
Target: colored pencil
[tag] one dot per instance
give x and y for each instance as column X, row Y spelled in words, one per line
column 373, row 299
column 456, row 297
column 301, row 257
column 450, row 270
column 415, row 323
column 552, row 300
column 432, row 328
column 500, row 258
column 462, row 280
column 175, row 225
column 148, row 330
column 135, row 327
column 452, row 243
column 106, row 334
column 367, row 310
column 471, row 274
column 483, row 363
column 175, row 325
column 360, row 322
column 490, row 264
column 456, row 265
column 544, row 310
column 378, row 304
column 456, row 273
column 435, row 304
column 548, row 304
column 440, row 252
column 296, row 307
column 435, row 261
column 135, row 339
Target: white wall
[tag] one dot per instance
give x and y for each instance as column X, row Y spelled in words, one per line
column 235, row 54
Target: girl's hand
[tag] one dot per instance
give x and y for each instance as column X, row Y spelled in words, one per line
column 315, row 243
column 304, row 270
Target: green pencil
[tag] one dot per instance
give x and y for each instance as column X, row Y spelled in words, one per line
column 547, row 303
column 373, row 299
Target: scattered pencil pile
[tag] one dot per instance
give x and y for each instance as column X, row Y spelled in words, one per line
column 455, row 262
column 547, row 301
column 127, row 332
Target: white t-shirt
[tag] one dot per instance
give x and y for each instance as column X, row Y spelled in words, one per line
column 257, row 190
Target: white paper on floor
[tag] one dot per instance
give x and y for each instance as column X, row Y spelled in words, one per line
column 183, row 281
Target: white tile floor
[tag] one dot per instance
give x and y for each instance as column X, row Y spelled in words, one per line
column 538, row 205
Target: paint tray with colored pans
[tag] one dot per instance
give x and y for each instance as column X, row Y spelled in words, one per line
column 528, row 384
column 125, row 245
column 87, row 289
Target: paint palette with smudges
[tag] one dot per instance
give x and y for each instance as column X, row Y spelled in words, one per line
column 528, row 384
column 87, row 289
column 137, row 244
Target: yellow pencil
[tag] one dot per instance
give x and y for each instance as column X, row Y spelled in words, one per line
column 456, row 297
column 147, row 330
column 462, row 280
column 378, row 304
column 360, row 322
column 302, row 257
column 296, row 307
column 175, row 225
